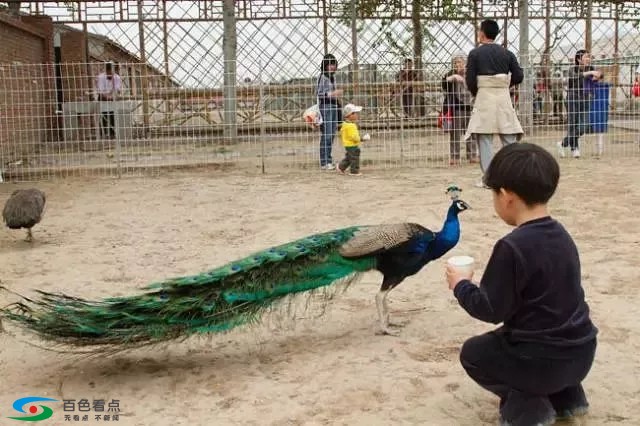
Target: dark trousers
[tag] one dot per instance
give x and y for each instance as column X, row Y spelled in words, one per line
column 532, row 387
column 458, row 128
column 407, row 102
column 352, row 158
column 108, row 124
column 577, row 121
column 558, row 103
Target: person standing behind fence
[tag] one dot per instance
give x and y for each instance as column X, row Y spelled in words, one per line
column 491, row 71
column 580, row 85
column 457, row 100
column 406, row 77
column 108, row 86
column 329, row 106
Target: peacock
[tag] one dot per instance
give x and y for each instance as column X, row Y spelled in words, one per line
column 24, row 209
column 239, row 292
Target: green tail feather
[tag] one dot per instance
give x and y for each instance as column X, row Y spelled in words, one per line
column 213, row 301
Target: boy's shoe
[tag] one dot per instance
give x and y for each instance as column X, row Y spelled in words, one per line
column 328, row 166
column 576, row 153
column 503, row 422
column 561, row 152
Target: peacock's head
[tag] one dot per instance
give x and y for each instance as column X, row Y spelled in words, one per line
column 458, row 205
column 461, row 206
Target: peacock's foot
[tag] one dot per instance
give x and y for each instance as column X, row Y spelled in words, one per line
column 386, row 331
column 398, row 324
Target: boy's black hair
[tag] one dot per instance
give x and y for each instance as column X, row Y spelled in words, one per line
column 525, row 169
column 490, row 28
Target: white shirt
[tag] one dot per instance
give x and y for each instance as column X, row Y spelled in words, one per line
column 105, row 86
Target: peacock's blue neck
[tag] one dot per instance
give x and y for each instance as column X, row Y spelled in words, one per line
column 449, row 235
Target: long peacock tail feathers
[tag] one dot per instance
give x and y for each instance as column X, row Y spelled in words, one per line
column 218, row 300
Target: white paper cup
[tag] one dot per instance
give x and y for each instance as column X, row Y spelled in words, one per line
column 463, row 264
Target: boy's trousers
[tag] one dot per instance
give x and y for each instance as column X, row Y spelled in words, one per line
column 533, row 382
column 352, row 158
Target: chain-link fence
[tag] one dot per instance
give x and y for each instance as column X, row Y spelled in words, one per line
column 179, row 105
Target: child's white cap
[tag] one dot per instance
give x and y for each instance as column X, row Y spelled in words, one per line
column 350, row 108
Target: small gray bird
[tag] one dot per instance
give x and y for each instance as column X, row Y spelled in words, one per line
column 24, row 209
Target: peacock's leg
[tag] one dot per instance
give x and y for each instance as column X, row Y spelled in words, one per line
column 388, row 284
column 383, row 314
column 385, row 307
column 29, row 236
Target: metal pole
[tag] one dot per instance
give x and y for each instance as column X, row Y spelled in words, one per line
column 525, row 89
column 143, row 60
column 588, row 26
column 262, row 112
column 165, row 46
column 229, row 45
column 546, row 60
column 616, row 58
column 325, row 27
column 401, row 120
column 354, row 49
column 118, row 158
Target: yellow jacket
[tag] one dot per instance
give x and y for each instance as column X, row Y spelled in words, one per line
column 349, row 134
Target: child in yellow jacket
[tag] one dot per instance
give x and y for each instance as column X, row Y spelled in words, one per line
column 350, row 137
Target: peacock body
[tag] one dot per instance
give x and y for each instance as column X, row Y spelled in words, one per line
column 24, row 209
column 239, row 292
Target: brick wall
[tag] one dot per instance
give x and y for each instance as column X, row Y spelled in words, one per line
column 76, row 78
column 27, row 94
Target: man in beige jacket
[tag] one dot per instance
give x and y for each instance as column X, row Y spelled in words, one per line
column 491, row 71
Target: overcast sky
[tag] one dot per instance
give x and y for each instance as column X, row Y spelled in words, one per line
column 279, row 50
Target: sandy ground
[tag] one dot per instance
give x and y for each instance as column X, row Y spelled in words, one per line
column 107, row 237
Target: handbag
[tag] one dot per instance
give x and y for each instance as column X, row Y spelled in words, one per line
column 445, row 119
column 312, row 116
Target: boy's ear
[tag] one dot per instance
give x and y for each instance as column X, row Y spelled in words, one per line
column 508, row 195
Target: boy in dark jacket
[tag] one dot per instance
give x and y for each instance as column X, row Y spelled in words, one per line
column 535, row 362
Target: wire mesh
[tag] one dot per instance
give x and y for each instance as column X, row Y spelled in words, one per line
column 82, row 135
column 170, row 112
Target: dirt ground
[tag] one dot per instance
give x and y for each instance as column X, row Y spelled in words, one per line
column 107, row 237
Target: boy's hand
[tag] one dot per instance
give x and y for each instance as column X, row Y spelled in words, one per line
column 454, row 276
